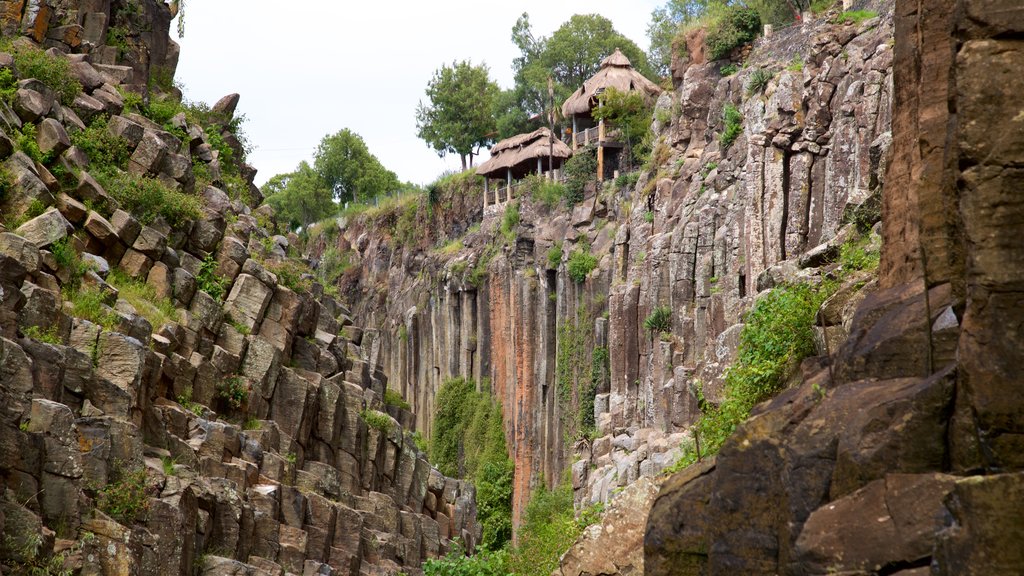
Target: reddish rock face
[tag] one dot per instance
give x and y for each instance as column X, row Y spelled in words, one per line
column 794, row 490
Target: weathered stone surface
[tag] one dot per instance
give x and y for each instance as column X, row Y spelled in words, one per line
column 247, row 301
column 31, row 105
column 100, row 229
column 45, row 229
column 150, row 242
column 52, row 138
column 148, row 154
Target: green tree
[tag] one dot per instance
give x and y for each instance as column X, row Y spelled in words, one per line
column 346, row 167
column 460, row 116
column 663, row 27
column 629, row 113
column 300, row 197
column 570, row 56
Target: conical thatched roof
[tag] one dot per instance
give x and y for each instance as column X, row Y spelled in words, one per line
column 616, row 72
column 520, row 152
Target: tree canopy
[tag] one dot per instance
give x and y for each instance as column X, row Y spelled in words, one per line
column 460, row 116
column 346, row 166
column 570, row 56
column 300, row 197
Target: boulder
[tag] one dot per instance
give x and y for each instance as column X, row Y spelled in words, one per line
column 100, row 229
column 45, row 229
column 30, row 105
column 131, row 131
column 248, row 301
column 52, row 138
column 148, row 155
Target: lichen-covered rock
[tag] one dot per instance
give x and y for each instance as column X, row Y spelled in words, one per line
column 46, row 229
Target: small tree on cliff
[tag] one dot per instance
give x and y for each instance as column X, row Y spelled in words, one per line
column 347, row 168
column 459, row 118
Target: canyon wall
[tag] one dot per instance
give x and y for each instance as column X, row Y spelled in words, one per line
column 179, row 394
column 702, row 232
column 900, row 454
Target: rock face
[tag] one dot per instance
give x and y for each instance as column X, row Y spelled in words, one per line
column 244, row 433
column 893, row 468
column 702, row 234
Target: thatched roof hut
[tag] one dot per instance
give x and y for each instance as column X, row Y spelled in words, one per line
column 616, row 72
column 524, row 153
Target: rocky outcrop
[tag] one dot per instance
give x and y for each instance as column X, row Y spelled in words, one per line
column 892, row 467
column 702, row 232
column 227, row 419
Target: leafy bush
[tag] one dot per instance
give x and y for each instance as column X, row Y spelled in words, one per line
column 87, row 303
column 796, row 64
column 148, row 199
column 509, row 222
column 549, row 528
column 234, row 391
column 377, row 420
column 8, row 85
column 579, row 169
column 394, row 398
column 25, row 140
column 555, row 255
column 777, row 335
column 54, row 71
column 626, row 180
column 581, row 263
column 468, row 437
column 660, row 320
column 758, row 81
column 732, row 121
column 208, row 281
column 124, row 498
column 737, row 26
column 729, row 69
column 47, row 335
column 104, row 149
column 544, row 191
column 456, row 563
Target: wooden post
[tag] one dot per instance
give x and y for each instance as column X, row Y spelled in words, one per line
column 486, row 192
column 508, row 186
column 574, row 133
column 540, row 169
column 600, row 151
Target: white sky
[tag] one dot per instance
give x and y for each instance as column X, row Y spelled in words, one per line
column 308, row 68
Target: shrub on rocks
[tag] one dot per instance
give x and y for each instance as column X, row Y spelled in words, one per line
column 54, row 71
column 148, row 198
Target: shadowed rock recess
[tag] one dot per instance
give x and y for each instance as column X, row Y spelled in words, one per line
column 911, row 461
column 178, row 395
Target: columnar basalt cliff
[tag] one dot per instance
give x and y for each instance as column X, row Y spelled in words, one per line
column 179, row 394
column 908, row 462
column 702, row 232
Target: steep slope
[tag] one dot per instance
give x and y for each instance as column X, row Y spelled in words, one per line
column 908, row 460
column 702, row 231
column 179, row 394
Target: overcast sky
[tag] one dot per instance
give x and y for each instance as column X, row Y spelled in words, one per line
column 308, row 68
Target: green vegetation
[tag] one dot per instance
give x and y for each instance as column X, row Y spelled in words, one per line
column 732, row 125
column 208, row 281
column 124, row 497
column 729, row 69
column 54, row 71
column 8, row 85
column 626, row 180
column 510, row 222
column 581, row 264
column 735, row 27
column 148, row 199
column 659, row 321
column 25, row 556
column 234, row 390
column 758, row 81
column 25, row 141
column 395, row 398
column 630, row 114
column 49, row 335
column 859, row 255
column 377, row 420
column 459, row 118
column 549, row 528
column 88, row 303
column 456, row 563
column 167, row 463
column 796, row 64
column 572, row 54
column 855, row 16
column 185, row 399
column 555, row 255
column 776, row 336
column 104, row 149
column 579, row 372
column 579, row 170
column 544, row 191
column 468, row 440
column 143, row 297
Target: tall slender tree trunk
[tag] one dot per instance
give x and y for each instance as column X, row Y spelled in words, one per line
column 463, row 157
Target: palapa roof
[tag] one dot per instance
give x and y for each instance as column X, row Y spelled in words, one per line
column 520, row 149
column 616, row 72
